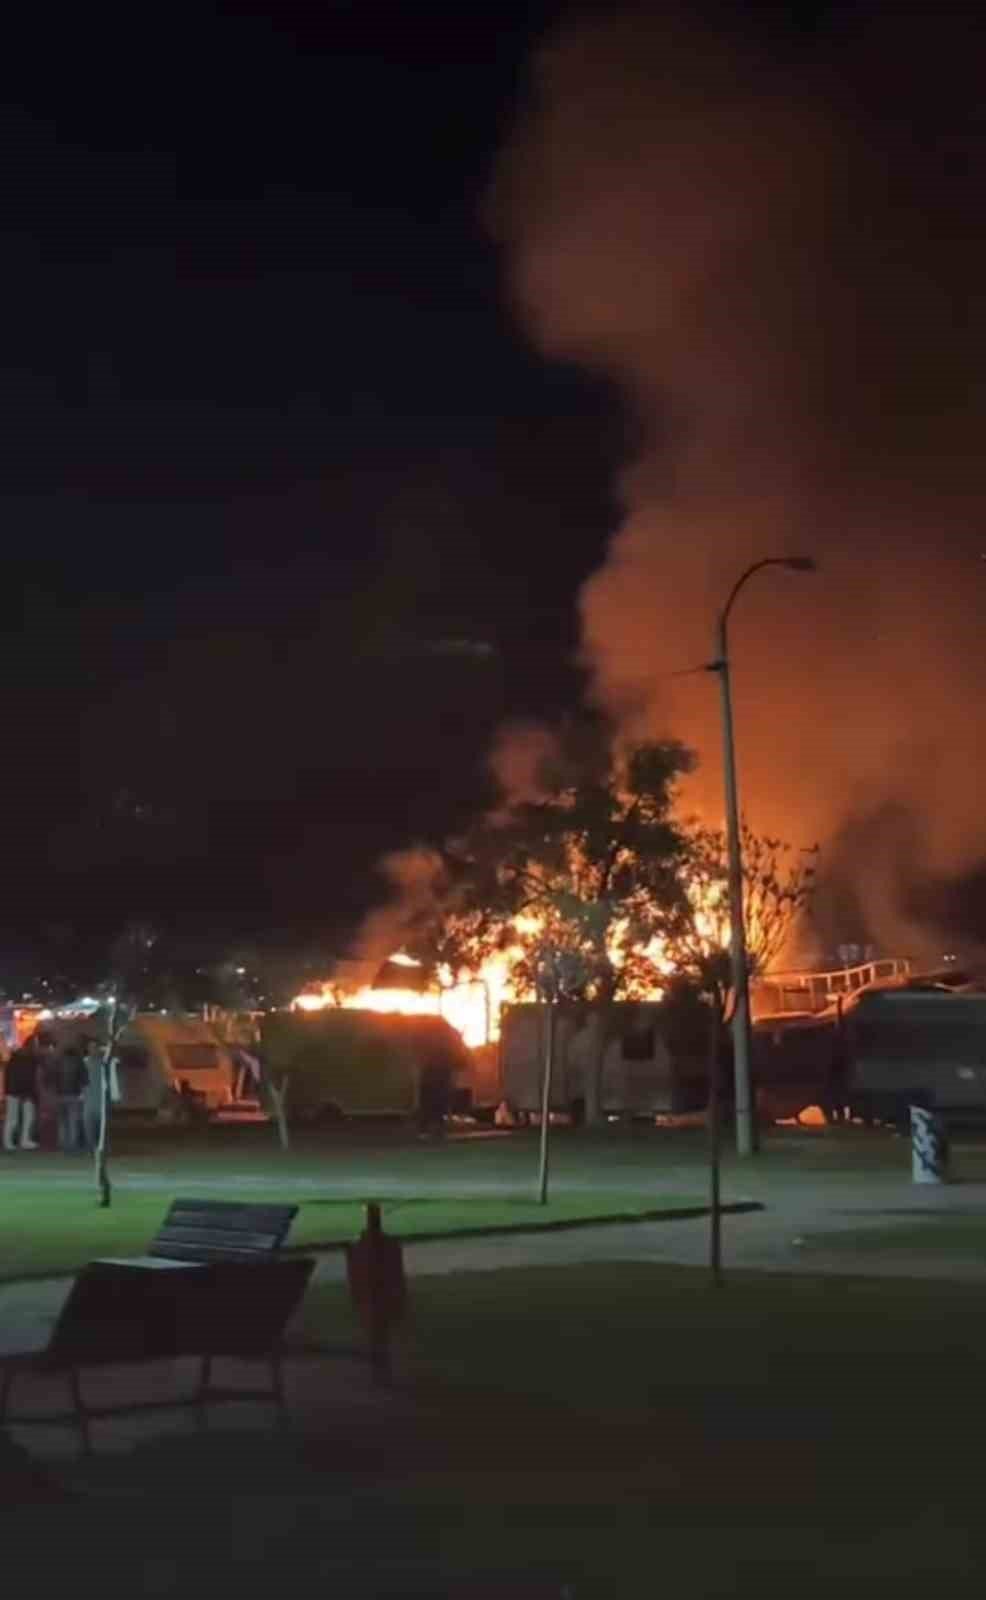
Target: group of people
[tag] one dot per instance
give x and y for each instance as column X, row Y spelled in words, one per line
column 69, row 1079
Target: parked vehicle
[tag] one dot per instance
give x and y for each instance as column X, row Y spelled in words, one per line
column 913, row 1047
column 167, row 1064
column 342, row 1063
column 655, row 1062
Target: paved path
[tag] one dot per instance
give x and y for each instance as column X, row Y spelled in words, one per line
column 776, row 1239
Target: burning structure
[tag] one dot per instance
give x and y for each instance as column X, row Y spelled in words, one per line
column 598, row 881
column 403, row 986
column 473, row 1001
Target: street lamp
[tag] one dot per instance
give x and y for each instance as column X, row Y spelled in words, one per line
column 737, row 930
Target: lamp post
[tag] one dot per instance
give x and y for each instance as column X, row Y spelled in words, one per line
column 737, row 929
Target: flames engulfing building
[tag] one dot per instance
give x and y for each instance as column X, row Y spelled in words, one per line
column 401, row 986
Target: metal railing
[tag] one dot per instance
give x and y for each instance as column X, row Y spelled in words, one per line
column 816, row 991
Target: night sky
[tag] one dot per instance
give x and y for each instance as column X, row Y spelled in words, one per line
column 273, row 428
column 270, row 429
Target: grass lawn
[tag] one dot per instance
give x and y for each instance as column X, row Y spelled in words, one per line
column 607, row 1432
column 44, row 1234
column 631, row 1431
column 50, row 1222
column 950, row 1235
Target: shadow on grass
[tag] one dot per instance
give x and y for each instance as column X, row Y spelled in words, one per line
column 452, row 1225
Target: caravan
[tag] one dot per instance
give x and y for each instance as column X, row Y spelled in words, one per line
column 165, row 1062
column 341, row 1063
column 655, row 1061
column 916, row 1047
column 165, row 1058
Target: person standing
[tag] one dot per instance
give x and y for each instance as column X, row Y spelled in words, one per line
column 70, row 1080
column 22, row 1082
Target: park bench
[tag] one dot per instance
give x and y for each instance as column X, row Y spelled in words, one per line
column 211, row 1285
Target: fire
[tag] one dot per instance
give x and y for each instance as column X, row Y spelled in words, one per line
column 464, row 1005
column 471, row 994
column 473, row 1002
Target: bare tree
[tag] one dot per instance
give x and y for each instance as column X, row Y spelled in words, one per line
column 778, row 883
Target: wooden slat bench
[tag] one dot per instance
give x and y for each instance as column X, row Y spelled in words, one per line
column 221, row 1230
column 212, row 1285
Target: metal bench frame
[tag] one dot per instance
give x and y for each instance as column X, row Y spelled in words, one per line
column 212, row 1286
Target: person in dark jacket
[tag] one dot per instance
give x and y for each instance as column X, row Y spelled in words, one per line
column 22, row 1082
column 69, row 1080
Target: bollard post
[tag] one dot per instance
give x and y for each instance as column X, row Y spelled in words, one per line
column 929, row 1147
column 375, row 1269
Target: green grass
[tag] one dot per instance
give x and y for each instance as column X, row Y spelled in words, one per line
column 49, row 1231
column 631, row 1430
column 623, row 1430
column 49, row 1222
column 333, row 1221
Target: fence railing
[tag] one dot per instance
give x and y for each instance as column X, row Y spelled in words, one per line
column 815, row 991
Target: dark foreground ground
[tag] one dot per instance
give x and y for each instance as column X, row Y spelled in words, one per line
column 591, row 1430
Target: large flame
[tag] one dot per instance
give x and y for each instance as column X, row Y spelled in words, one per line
column 473, row 1001
column 472, row 1007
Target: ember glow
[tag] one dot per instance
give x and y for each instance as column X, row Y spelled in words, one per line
column 472, row 1002
column 472, row 1007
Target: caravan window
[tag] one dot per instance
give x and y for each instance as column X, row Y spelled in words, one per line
column 193, row 1057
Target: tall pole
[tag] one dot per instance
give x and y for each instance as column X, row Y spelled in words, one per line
column 715, row 1147
column 549, row 1063
column 737, row 924
column 745, row 1124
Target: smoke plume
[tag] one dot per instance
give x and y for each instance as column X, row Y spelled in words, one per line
column 414, row 879
column 777, row 250
column 522, row 752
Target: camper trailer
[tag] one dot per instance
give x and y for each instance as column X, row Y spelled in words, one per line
column 163, row 1060
column 652, row 1064
column 160, row 1056
column 348, row 1063
column 914, row 1046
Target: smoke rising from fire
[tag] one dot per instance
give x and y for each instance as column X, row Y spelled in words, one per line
column 522, row 752
column 780, row 259
column 414, row 879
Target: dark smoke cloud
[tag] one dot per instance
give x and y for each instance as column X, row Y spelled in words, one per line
column 521, row 753
column 415, row 887
column 781, row 258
